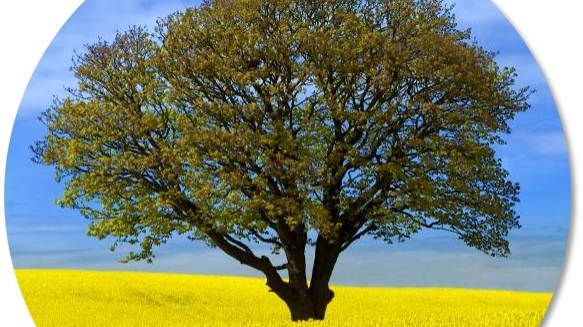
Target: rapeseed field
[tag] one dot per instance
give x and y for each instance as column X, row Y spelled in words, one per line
column 88, row 298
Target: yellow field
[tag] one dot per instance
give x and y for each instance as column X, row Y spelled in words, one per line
column 83, row 298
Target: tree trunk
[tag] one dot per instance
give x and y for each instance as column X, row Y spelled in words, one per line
column 304, row 302
column 309, row 303
column 310, row 307
column 301, row 309
column 324, row 263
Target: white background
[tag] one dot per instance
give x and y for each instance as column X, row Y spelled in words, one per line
column 552, row 29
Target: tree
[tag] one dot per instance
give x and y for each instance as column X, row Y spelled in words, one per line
column 289, row 123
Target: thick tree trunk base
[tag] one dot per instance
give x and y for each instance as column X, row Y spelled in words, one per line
column 302, row 312
column 310, row 308
column 306, row 311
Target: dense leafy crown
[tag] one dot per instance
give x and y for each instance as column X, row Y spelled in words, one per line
column 272, row 121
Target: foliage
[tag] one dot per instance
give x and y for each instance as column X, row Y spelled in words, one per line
column 289, row 123
column 83, row 298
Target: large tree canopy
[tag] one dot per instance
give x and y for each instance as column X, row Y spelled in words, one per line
column 293, row 124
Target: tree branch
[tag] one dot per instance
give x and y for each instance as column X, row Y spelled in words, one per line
column 281, row 267
column 238, row 243
column 357, row 236
column 271, row 240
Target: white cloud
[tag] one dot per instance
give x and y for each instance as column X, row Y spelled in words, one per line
column 45, row 229
column 536, row 143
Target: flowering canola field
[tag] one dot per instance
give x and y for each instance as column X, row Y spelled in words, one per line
column 88, row 298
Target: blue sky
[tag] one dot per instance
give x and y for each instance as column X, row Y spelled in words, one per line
column 43, row 235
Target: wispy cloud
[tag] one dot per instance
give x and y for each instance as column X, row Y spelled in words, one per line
column 535, row 143
column 36, row 229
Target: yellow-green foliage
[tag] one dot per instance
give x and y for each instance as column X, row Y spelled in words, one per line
column 83, row 298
